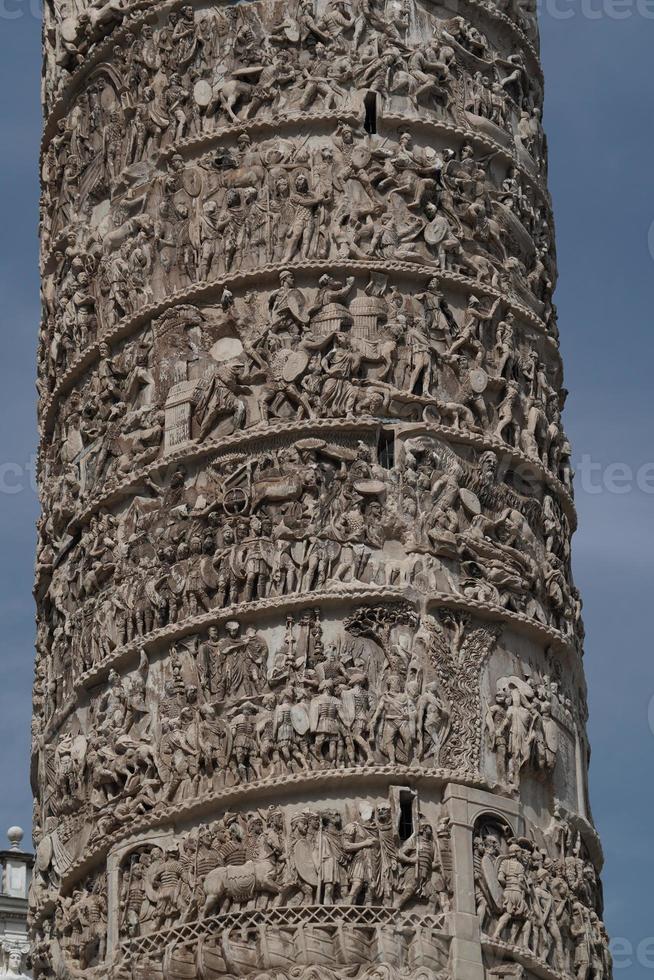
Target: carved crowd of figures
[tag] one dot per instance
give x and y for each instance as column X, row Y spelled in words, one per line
column 124, row 232
column 229, row 707
column 79, row 922
column 548, row 905
column 522, row 730
column 343, row 200
column 232, row 706
column 348, row 197
column 379, row 855
column 314, row 516
column 331, row 351
column 270, row 859
column 204, row 67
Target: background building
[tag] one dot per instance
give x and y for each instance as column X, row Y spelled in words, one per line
column 16, row 867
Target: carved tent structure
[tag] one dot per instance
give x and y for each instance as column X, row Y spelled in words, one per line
column 309, row 698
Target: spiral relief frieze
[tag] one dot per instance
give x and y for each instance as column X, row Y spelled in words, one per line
column 309, row 697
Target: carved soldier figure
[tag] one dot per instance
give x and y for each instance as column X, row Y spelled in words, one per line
column 227, row 592
column 284, row 732
column 393, row 722
column 303, row 235
column 357, row 704
column 432, row 720
column 515, row 910
column 582, row 934
column 178, row 756
column 265, row 729
column 211, row 741
column 162, row 884
column 326, row 724
column 244, row 745
column 356, row 844
column 257, row 565
column 418, row 855
column 495, row 725
column 301, row 867
column 209, row 659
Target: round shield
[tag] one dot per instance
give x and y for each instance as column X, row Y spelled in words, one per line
column 300, row 719
column 108, row 98
column 177, row 578
column 151, row 591
column 238, row 561
column 295, row 306
column 470, row 501
column 370, row 488
column 292, row 32
column 303, row 858
column 436, row 231
column 342, row 453
column 309, row 444
column 298, row 552
column 202, row 93
column 361, row 157
column 226, row 349
column 208, row 573
column 44, row 854
column 192, row 182
column 69, row 29
column 478, row 380
column 348, row 709
column 295, row 364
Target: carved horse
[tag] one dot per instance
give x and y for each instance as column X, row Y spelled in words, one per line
column 99, row 16
column 238, row 883
column 228, row 95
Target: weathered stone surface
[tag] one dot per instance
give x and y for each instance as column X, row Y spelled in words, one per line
column 309, row 699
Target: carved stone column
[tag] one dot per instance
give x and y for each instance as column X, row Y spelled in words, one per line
column 309, row 699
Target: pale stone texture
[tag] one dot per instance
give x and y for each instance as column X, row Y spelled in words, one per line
column 309, row 699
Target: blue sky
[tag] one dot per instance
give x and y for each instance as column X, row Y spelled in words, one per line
column 600, row 122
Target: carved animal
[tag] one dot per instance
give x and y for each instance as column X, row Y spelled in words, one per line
column 238, row 883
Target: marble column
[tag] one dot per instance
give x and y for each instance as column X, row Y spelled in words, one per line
column 309, row 697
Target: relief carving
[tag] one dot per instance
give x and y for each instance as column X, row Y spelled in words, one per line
column 308, row 697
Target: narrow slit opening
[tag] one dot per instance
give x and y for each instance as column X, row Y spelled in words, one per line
column 370, row 104
column 387, row 450
column 405, row 829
